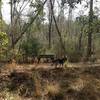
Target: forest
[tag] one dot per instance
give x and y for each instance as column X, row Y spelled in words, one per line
column 49, row 50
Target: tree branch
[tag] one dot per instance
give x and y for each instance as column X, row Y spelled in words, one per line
column 58, row 31
column 28, row 25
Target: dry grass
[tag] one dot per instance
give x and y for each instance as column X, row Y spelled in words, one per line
column 9, row 96
column 82, row 83
column 78, row 85
column 53, row 88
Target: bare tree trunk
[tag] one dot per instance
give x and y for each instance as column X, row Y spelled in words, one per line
column 89, row 48
column 50, row 28
column 27, row 26
column 80, row 40
column 70, row 22
column 11, row 28
column 50, row 22
column 50, row 17
column 1, row 15
column 59, row 33
column 11, row 18
column 11, row 11
column 0, row 25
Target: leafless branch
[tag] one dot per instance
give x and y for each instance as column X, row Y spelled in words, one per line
column 28, row 25
column 58, row 31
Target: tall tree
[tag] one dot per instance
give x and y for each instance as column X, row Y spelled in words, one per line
column 50, row 22
column 34, row 17
column 1, row 15
column 89, row 47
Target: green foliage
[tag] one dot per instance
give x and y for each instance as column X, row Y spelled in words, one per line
column 3, row 40
column 3, row 45
column 30, row 47
column 82, row 20
column 72, row 50
column 74, row 55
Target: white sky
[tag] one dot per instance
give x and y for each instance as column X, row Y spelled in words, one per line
column 6, row 9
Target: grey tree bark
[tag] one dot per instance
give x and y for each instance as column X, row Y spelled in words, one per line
column 89, row 46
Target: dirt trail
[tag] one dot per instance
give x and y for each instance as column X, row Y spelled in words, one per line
column 47, row 66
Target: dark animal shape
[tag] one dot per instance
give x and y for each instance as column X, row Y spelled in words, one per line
column 59, row 62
